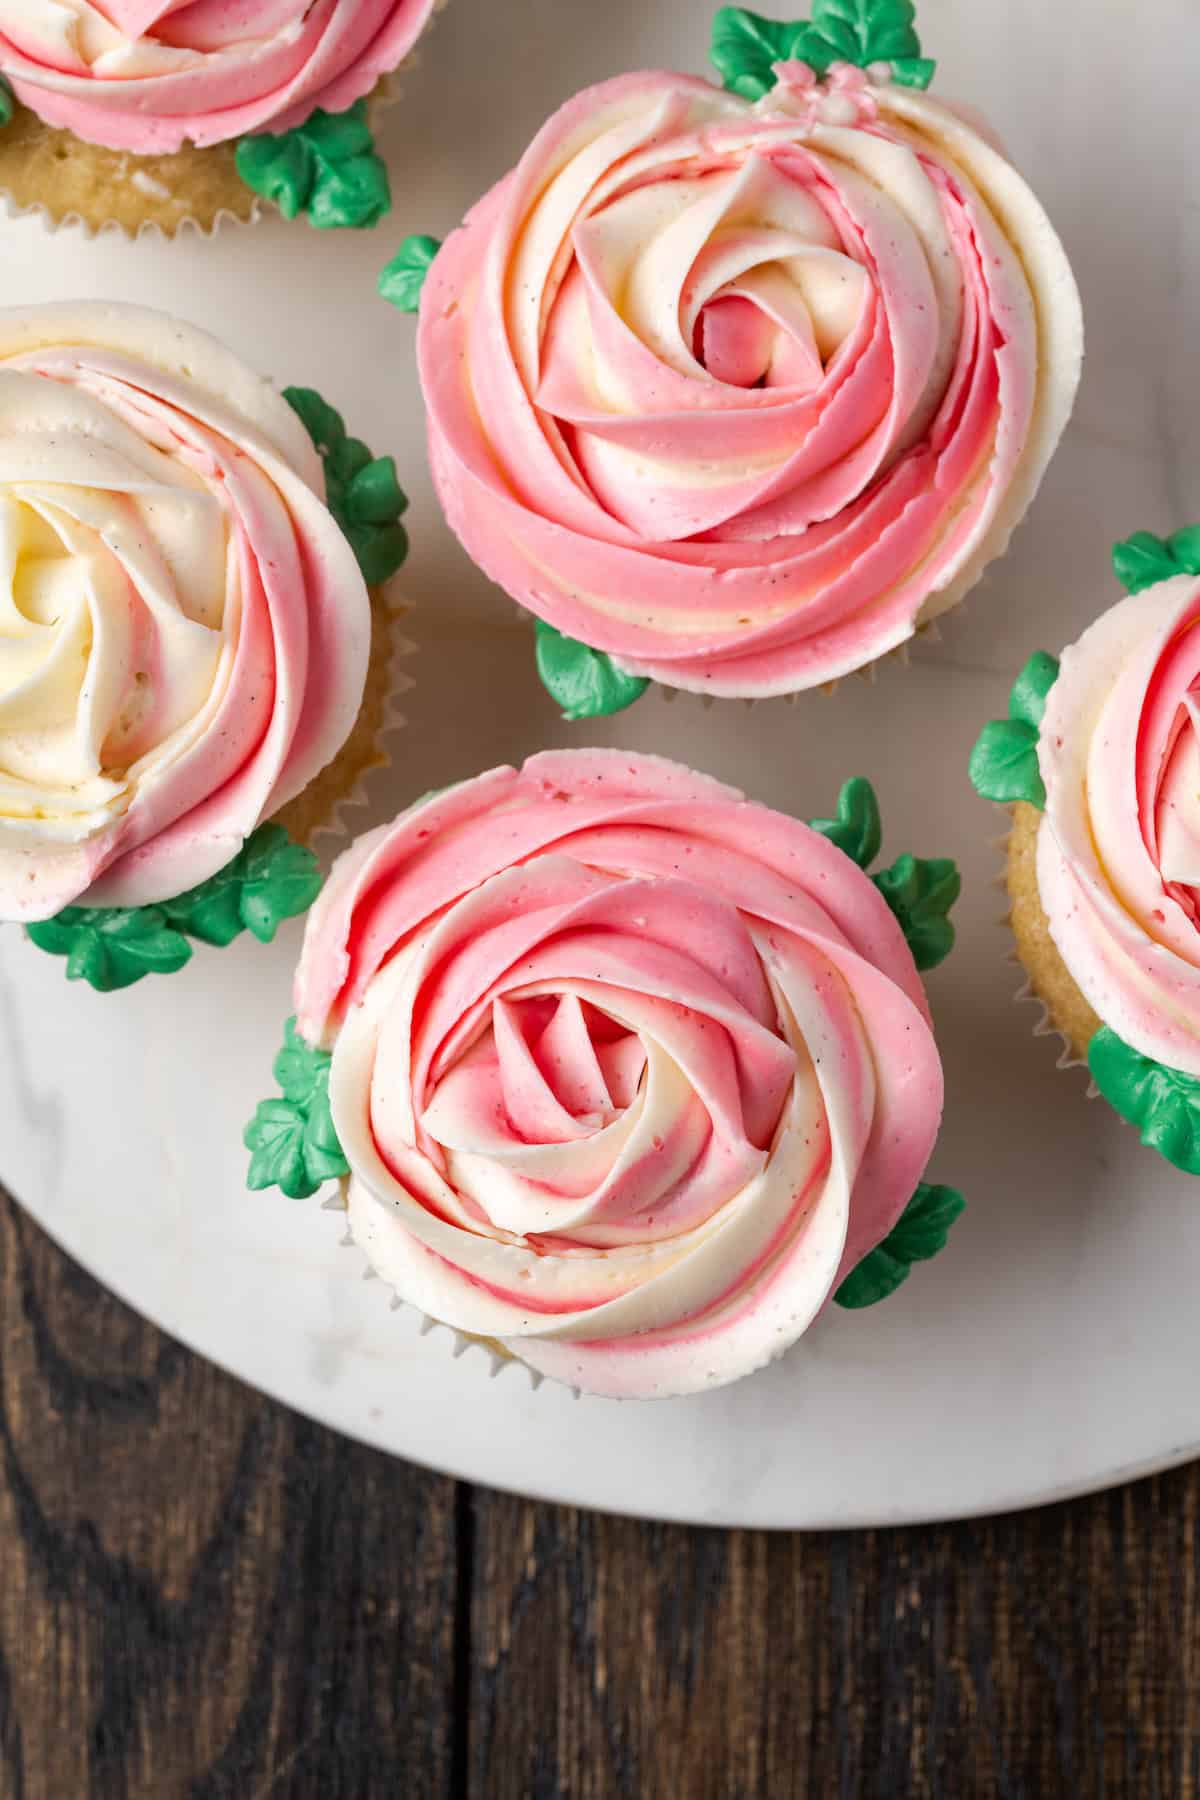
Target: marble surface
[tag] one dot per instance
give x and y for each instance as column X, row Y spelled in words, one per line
column 1052, row 1347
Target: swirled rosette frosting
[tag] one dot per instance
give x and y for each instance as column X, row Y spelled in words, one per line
column 184, row 630
column 150, row 75
column 741, row 394
column 1118, row 864
column 627, row 1070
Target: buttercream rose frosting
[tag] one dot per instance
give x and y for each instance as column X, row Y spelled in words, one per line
column 184, row 629
column 742, row 394
column 1118, row 862
column 150, row 75
column 628, row 1071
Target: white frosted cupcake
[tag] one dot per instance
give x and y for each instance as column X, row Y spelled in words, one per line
column 149, row 112
column 187, row 636
column 736, row 391
column 620, row 1072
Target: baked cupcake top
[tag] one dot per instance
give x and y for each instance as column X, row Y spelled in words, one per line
column 741, row 392
column 151, row 75
column 185, row 627
column 628, row 1072
column 1106, row 743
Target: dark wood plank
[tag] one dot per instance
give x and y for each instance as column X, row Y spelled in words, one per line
column 1053, row 1653
column 203, row 1594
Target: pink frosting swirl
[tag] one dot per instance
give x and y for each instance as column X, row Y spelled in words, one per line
column 150, row 75
column 184, row 630
column 1118, row 862
column 741, row 394
column 628, row 1070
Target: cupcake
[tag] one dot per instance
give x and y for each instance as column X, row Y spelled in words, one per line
column 1099, row 760
column 737, row 390
column 622, row 1074
column 153, row 112
column 193, row 671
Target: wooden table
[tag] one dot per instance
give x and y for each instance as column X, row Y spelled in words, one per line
column 207, row 1596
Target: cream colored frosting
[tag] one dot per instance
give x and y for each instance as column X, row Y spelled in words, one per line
column 743, row 394
column 1119, row 847
column 628, row 1070
column 183, row 627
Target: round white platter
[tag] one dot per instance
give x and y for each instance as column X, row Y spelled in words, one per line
column 1053, row 1347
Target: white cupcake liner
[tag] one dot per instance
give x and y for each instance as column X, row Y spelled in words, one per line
column 462, row 1341
column 148, row 228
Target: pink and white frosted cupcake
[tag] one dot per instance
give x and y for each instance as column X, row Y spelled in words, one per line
column 136, row 112
column 737, row 390
column 620, row 1073
column 195, row 642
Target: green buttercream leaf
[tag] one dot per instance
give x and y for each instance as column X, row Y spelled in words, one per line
column 339, row 137
column 921, row 892
column 362, row 491
column 867, row 31
column 8, row 102
column 292, row 1140
column 269, row 880
column 1004, row 762
column 374, row 496
column 1164, row 1104
column 401, row 281
column 586, row 683
column 913, row 71
column 857, row 829
column 746, row 46
column 352, row 195
column 380, row 550
column 1143, row 560
column 919, row 1233
column 348, row 457
column 112, row 947
column 326, row 167
column 322, row 422
column 281, row 169
column 1027, row 699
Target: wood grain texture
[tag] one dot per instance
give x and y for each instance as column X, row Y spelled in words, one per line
column 205, row 1596
column 1051, row 1653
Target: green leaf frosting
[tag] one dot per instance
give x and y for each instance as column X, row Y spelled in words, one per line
column 1163, row 1103
column 921, row 892
column 362, row 490
column 586, row 683
column 919, row 1233
column 111, row 947
column 746, row 46
column 402, row 279
column 269, row 880
column 8, row 102
column 1143, row 560
column 858, row 829
column 292, row 1140
column 1004, row 762
column 326, row 167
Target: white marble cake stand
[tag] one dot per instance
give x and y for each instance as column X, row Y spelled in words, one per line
column 1054, row 1346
